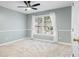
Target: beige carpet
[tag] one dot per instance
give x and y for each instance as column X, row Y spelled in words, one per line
column 34, row 48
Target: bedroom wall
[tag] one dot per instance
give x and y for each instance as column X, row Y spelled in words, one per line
column 63, row 20
column 13, row 25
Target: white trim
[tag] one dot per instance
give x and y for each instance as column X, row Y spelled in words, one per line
column 54, row 24
column 64, row 30
column 43, row 34
column 10, row 42
column 43, row 40
column 33, row 22
column 14, row 30
column 64, row 43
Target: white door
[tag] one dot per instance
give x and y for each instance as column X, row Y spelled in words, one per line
column 75, row 28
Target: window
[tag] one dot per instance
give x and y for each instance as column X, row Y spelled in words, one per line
column 44, row 24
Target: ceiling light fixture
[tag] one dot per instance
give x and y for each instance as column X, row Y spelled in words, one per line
column 28, row 8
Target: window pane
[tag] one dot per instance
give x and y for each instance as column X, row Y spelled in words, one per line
column 38, row 24
column 47, row 24
column 43, row 25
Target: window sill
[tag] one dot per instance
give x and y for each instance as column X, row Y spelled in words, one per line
column 44, row 34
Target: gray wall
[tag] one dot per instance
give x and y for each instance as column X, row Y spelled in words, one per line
column 63, row 20
column 12, row 20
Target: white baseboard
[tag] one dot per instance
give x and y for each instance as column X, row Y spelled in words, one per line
column 42, row 40
column 10, row 42
column 64, row 43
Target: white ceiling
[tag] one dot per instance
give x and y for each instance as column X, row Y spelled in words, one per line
column 44, row 5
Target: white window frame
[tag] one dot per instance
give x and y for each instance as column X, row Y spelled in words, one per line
column 52, row 15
